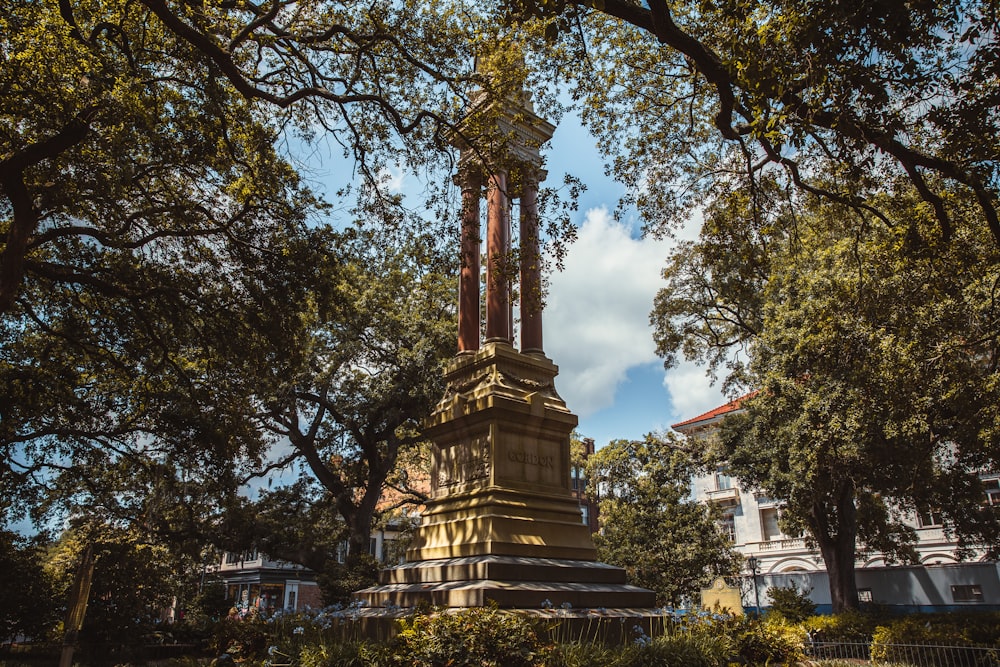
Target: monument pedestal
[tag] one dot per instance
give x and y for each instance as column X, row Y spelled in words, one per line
column 502, row 524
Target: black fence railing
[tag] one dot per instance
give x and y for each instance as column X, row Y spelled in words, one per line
column 905, row 655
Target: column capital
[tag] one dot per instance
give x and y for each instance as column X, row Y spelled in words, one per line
column 525, row 176
column 468, row 177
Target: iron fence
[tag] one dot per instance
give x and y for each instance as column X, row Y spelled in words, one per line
column 905, row 655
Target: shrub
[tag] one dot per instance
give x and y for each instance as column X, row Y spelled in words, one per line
column 673, row 650
column 338, row 654
column 953, row 628
column 588, row 654
column 339, row 581
column 478, row 637
column 241, row 638
column 848, row 626
column 769, row 642
column 687, row 650
column 977, row 629
column 791, row 603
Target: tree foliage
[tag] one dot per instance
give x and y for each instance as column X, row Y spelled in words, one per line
column 650, row 526
column 134, row 584
column 357, row 401
column 30, row 608
column 156, row 322
column 683, row 94
column 157, row 271
column 321, row 370
column 166, row 309
column 143, row 201
column 875, row 354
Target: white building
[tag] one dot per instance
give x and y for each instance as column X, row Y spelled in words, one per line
column 938, row 583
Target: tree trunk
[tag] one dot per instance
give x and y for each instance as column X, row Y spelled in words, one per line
column 837, row 546
column 361, row 530
column 363, row 511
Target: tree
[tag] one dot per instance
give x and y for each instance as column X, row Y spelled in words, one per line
column 133, row 187
column 357, row 402
column 363, row 369
column 29, row 608
column 121, row 146
column 666, row 541
column 134, row 582
column 683, row 95
column 875, row 352
column 329, row 360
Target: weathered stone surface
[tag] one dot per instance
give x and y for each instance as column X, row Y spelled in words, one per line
column 508, row 582
column 500, row 463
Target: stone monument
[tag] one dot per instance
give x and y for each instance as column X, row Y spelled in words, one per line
column 502, row 524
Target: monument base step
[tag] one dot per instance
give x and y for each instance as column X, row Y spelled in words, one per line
column 508, row 581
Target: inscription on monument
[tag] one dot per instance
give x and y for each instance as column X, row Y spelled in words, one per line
column 462, row 464
column 531, row 461
column 531, row 458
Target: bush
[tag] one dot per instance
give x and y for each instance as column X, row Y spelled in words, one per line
column 791, row 603
column 340, row 654
column 672, row 650
column 478, row 637
column 950, row 629
column 772, row 641
column 339, row 581
column 242, row 638
column 977, row 629
column 848, row 626
column 687, row 650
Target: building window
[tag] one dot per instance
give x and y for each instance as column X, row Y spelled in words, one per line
column 233, row 558
column 929, row 518
column 967, row 593
column 992, row 491
column 585, row 514
column 727, row 526
column 864, row 595
column 769, row 524
column 373, row 548
column 722, row 479
column 574, row 475
column 271, row 596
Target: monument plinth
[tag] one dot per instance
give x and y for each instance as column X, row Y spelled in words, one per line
column 500, row 474
column 502, row 524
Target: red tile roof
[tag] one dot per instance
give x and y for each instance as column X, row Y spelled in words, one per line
column 731, row 406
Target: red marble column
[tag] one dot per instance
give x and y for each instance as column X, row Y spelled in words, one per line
column 497, row 246
column 531, row 269
column 471, row 182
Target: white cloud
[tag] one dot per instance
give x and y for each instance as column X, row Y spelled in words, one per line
column 597, row 322
column 597, row 315
column 691, row 393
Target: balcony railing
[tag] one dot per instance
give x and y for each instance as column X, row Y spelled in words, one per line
column 784, row 544
column 729, row 496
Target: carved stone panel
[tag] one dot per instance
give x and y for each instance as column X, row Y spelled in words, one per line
column 460, row 464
